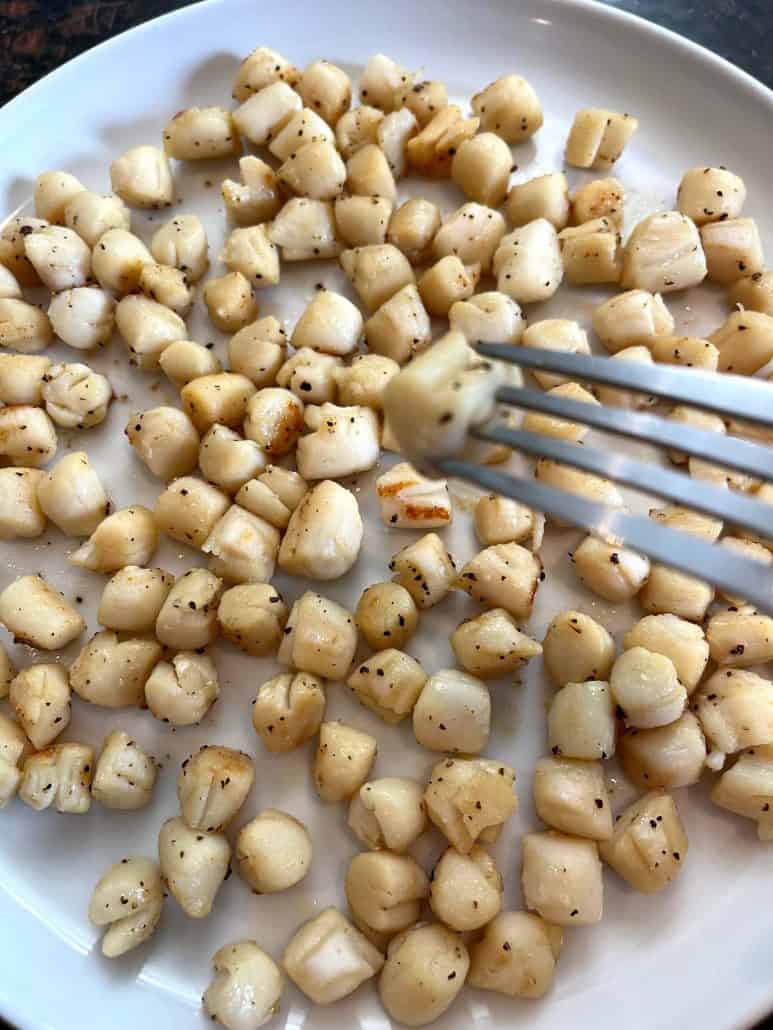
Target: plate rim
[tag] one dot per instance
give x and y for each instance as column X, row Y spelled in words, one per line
column 594, row 8
column 10, row 1009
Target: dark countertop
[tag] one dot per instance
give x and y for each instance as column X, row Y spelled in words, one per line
column 37, row 36
column 739, row 30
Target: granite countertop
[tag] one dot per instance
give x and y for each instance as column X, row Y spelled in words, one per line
column 37, row 36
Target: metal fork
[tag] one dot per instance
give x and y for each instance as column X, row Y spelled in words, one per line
column 726, row 395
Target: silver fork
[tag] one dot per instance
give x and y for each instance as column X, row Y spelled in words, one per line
column 727, row 395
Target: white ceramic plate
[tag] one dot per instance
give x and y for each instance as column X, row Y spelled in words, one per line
column 701, row 952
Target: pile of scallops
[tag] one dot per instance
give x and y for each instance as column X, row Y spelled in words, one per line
column 249, row 466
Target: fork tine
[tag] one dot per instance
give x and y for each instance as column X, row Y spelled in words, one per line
column 738, row 576
column 729, row 395
column 754, row 459
column 716, row 501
